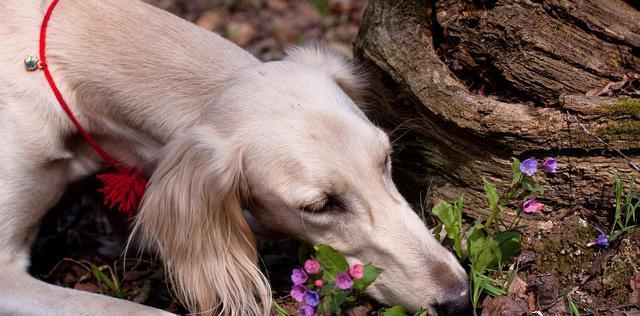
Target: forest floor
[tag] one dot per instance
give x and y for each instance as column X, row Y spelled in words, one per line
column 81, row 241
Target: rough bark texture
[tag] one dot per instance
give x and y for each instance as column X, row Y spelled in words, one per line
column 465, row 85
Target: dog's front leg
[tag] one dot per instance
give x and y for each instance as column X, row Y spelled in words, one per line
column 28, row 188
column 21, row 294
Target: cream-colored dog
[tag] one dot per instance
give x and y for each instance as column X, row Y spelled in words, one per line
column 218, row 132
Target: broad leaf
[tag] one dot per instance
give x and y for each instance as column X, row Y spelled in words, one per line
column 339, row 298
column 492, row 193
column 517, row 174
column 484, row 253
column 304, row 252
column 451, row 221
column 444, row 211
column 530, row 185
column 371, row 273
column 331, row 260
column 326, row 305
column 393, row 311
column 510, row 243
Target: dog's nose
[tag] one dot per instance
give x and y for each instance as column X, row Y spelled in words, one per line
column 455, row 305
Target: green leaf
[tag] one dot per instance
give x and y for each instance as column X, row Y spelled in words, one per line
column 326, row 305
column 328, row 289
column 530, row 185
column 484, row 253
column 371, row 273
column 304, row 252
column 436, row 232
column 393, row 311
column 510, row 243
column 331, row 260
column 279, row 310
column 452, row 223
column 517, row 174
column 492, row 193
column 339, row 299
column 475, row 232
column 444, row 211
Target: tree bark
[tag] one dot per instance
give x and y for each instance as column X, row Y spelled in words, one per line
column 464, row 86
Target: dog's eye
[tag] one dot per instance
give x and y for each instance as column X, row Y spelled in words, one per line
column 330, row 204
column 386, row 165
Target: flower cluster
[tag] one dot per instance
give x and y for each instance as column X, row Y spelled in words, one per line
column 307, row 283
column 529, row 167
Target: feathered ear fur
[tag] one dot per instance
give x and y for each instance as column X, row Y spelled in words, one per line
column 192, row 215
column 342, row 70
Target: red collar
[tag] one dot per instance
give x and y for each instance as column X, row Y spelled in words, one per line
column 125, row 186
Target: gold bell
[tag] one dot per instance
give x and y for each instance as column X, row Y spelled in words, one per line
column 32, row 63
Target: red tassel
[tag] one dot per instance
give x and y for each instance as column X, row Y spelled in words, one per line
column 123, row 188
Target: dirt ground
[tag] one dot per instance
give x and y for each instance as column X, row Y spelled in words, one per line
column 555, row 262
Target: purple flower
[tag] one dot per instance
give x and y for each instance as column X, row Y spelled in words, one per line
column 307, row 310
column 343, row 281
column 298, row 292
column 312, row 298
column 532, row 206
column 550, row 164
column 529, row 166
column 602, row 241
column 312, row 266
column 298, row 276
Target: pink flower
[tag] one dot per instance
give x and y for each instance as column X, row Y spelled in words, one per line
column 532, row 206
column 356, row 271
column 343, row 281
column 298, row 292
column 312, row 266
column 298, row 276
column 318, row 283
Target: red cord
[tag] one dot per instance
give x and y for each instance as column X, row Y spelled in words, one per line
column 43, row 60
column 123, row 188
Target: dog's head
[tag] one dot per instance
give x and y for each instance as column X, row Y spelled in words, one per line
column 285, row 141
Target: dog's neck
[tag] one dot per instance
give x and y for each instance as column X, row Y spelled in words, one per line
column 130, row 65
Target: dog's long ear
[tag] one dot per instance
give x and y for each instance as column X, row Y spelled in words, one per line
column 192, row 215
column 346, row 74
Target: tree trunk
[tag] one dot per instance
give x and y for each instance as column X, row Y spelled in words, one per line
column 464, row 86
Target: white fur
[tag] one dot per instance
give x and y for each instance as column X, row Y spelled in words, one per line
column 217, row 131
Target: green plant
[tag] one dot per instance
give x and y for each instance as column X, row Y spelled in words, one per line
column 322, row 6
column 574, row 306
column 112, row 281
column 626, row 204
column 486, row 246
column 399, row 311
column 278, row 309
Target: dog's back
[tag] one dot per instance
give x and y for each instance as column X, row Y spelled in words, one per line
column 114, row 60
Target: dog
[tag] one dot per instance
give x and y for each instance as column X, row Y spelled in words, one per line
column 219, row 133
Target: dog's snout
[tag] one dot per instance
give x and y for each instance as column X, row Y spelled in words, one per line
column 457, row 304
column 452, row 281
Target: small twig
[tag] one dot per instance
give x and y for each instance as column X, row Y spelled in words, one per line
column 602, row 141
